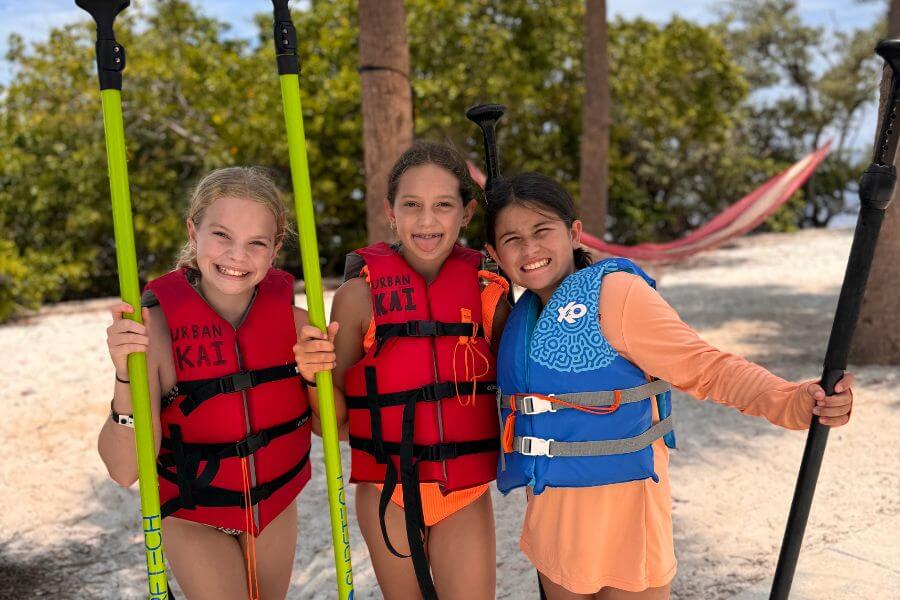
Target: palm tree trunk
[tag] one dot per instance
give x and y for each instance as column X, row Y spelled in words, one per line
column 595, row 120
column 877, row 339
column 386, row 102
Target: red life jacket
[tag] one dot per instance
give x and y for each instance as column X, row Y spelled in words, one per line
column 422, row 401
column 238, row 410
column 420, row 356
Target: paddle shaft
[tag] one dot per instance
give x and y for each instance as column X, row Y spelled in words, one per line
column 875, row 190
column 110, row 63
column 289, row 69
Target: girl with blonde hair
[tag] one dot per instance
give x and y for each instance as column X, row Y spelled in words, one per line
column 231, row 417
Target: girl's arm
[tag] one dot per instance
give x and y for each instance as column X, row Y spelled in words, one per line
column 500, row 316
column 647, row 331
column 116, row 442
column 340, row 349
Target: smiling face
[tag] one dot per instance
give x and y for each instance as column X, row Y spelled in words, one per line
column 427, row 214
column 534, row 247
column 236, row 244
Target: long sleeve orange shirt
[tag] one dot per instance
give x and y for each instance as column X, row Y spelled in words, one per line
column 621, row 535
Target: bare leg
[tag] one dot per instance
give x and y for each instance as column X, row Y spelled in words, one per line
column 275, row 549
column 208, row 564
column 211, row 564
column 462, row 550
column 657, row 593
column 557, row 592
column 396, row 576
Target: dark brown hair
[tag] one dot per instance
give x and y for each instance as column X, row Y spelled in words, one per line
column 535, row 191
column 434, row 153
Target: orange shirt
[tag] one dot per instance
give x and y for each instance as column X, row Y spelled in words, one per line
column 620, row 535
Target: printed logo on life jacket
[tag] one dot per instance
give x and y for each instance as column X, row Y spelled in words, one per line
column 389, row 296
column 197, row 346
column 570, row 312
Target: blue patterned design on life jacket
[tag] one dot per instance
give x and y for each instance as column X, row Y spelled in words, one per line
column 570, row 321
column 522, row 370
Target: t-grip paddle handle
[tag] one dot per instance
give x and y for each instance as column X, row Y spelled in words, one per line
column 486, row 117
column 889, row 50
column 886, row 144
column 285, row 39
column 876, row 185
column 110, row 54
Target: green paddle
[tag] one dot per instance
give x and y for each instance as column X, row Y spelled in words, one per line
column 289, row 73
column 110, row 63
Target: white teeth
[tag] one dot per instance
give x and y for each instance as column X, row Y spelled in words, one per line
column 231, row 272
column 536, row 264
column 428, row 236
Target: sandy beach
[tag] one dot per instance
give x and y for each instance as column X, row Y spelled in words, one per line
column 68, row 531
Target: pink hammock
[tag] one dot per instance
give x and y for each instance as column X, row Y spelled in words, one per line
column 736, row 220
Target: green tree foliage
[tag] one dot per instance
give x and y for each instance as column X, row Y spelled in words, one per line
column 195, row 98
column 677, row 157
column 809, row 86
column 675, row 88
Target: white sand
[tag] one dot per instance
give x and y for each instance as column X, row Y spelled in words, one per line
column 67, row 531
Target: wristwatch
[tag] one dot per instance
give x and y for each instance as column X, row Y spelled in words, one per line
column 126, row 420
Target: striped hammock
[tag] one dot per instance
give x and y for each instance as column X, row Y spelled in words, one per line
column 736, row 220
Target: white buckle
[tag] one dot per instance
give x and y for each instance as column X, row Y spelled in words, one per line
column 532, row 446
column 535, row 405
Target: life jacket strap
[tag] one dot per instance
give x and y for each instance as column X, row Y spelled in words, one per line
column 535, row 404
column 412, row 500
column 419, row 328
column 428, row 393
column 534, row 446
column 372, row 396
column 182, row 478
column 198, row 391
column 434, row 452
column 240, row 449
column 219, row 497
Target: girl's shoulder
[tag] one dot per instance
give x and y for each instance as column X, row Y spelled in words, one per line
column 158, row 324
column 159, row 358
column 353, row 289
column 353, row 302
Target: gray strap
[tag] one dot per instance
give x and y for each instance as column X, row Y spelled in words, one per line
column 532, row 446
column 592, row 399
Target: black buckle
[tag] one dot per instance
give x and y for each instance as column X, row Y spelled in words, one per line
column 251, row 444
column 429, row 393
column 262, row 492
column 422, row 328
column 437, row 391
column 440, row 452
column 236, row 383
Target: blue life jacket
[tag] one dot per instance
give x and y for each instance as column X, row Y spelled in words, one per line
column 552, row 359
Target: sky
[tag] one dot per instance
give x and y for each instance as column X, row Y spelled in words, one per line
column 33, row 20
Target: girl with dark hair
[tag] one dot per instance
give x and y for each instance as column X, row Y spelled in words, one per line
column 414, row 366
column 588, row 356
